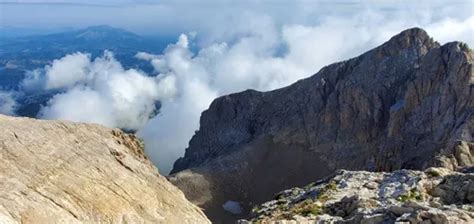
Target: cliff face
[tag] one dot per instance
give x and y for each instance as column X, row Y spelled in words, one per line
column 405, row 104
column 63, row 172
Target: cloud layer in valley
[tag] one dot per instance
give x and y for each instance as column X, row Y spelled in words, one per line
column 7, row 103
column 251, row 49
column 99, row 91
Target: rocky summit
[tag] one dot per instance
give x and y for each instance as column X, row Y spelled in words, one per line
column 64, row 172
column 437, row 196
column 407, row 104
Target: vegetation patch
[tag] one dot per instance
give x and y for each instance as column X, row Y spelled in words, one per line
column 412, row 195
column 323, row 194
column 433, row 173
column 308, row 207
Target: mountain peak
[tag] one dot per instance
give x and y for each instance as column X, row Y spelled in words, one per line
column 416, row 38
column 103, row 31
column 412, row 33
column 104, row 28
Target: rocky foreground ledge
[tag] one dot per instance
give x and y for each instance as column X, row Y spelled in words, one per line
column 64, row 172
column 436, row 195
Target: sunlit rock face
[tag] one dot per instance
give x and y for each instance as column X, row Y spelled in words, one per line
column 405, row 104
column 64, row 172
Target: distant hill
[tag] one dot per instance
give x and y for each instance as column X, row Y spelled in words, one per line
column 22, row 53
column 19, row 54
column 92, row 39
column 15, row 32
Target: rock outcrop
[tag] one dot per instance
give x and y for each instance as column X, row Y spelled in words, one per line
column 407, row 104
column 64, row 172
column 437, row 196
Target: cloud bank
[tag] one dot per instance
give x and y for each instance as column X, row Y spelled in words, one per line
column 98, row 91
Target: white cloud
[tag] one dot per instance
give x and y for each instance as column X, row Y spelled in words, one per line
column 100, row 91
column 33, row 81
column 451, row 29
column 68, row 71
column 63, row 73
column 145, row 56
column 7, row 103
column 79, row 104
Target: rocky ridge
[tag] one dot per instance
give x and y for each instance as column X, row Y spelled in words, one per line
column 64, row 172
column 437, row 196
column 407, row 104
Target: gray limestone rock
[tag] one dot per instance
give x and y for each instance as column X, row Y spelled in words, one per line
column 402, row 196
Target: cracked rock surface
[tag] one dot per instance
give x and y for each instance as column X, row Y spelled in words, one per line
column 64, row 172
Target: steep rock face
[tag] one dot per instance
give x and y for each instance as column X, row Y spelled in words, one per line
column 405, row 104
column 436, row 196
column 63, row 172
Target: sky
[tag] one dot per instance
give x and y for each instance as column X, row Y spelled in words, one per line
column 254, row 44
column 209, row 16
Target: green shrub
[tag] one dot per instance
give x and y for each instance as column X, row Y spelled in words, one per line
column 323, row 194
column 412, row 195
